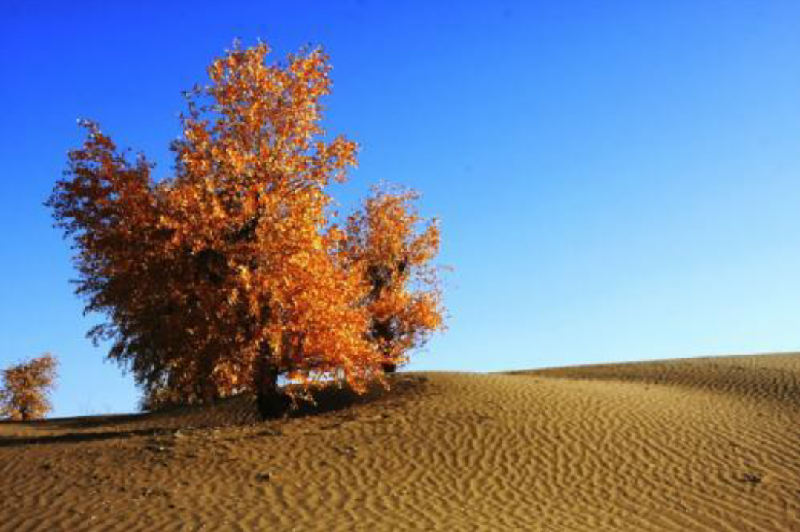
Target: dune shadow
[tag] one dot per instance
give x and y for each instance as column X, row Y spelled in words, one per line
column 92, row 422
column 75, row 437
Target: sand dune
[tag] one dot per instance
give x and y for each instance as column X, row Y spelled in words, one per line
column 699, row 444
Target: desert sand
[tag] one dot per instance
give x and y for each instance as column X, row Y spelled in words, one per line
column 684, row 445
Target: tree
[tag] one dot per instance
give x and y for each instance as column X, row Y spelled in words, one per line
column 25, row 388
column 233, row 271
column 404, row 301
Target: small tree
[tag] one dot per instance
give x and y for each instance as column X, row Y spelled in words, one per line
column 26, row 386
column 233, row 272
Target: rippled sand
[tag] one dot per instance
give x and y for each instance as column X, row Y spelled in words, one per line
column 685, row 445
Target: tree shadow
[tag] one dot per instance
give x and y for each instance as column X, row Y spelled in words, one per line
column 334, row 399
column 231, row 411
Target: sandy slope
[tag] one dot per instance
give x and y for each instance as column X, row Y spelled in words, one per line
column 703, row 444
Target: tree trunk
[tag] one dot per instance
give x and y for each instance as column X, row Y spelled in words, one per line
column 389, row 367
column 271, row 402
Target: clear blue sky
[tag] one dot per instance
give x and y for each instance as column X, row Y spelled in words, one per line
column 617, row 180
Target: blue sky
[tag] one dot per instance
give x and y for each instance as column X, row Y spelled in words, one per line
column 616, row 180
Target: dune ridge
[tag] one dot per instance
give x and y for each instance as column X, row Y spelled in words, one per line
column 696, row 444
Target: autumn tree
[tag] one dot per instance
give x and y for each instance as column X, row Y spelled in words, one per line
column 25, row 388
column 404, row 301
column 234, row 271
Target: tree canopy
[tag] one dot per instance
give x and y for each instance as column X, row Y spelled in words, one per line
column 236, row 270
column 24, row 388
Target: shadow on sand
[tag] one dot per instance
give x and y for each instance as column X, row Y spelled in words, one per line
column 231, row 411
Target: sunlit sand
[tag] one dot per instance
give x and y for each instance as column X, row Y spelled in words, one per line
column 697, row 444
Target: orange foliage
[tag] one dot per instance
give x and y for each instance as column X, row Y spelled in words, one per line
column 232, row 272
column 404, row 299
column 25, row 386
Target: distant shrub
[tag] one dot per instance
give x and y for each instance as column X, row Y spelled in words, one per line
column 24, row 388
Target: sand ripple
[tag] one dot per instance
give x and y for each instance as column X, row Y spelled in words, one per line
column 702, row 445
